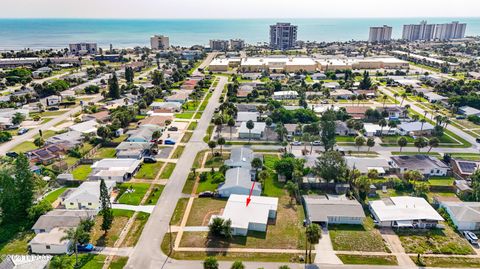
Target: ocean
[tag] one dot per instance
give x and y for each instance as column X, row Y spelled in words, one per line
column 122, row 33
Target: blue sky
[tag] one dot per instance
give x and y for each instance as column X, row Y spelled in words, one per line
column 237, row 8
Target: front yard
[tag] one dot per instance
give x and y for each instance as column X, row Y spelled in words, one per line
column 99, row 238
column 449, row 262
column 149, row 170
column 167, row 171
column 132, row 193
column 136, row 230
column 81, row 172
column 368, row 259
column 202, row 209
column 434, row 241
column 357, row 237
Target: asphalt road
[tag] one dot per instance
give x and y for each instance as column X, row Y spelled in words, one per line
column 147, row 252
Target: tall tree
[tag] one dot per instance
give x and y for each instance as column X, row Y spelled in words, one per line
column 113, row 87
column 332, row 166
column 250, row 126
column 328, row 127
column 370, row 143
column 359, row 141
column 75, row 236
column 221, row 141
column 231, row 124
column 212, row 144
column 24, row 184
column 366, row 83
column 313, row 234
column 106, row 207
column 257, row 164
column 402, row 142
column 420, row 142
column 433, row 143
column 8, row 197
column 129, row 74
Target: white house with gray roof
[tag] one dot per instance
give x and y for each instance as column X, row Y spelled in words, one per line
column 240, row 157
column 239, row 181
column 61, row 218
column 427, row 165
column 465, row 215
column 86, row 196
column 119, row 170
column 255, row 133
column 333, row 210
column 144, row 133
column 132, row 150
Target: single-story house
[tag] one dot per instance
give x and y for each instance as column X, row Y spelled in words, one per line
column 61, row 218
column 253, row 217
column 178, row 96
column 341, row 94
column 342, row 129
column 435, row 97
column 330, row 210
column 415, row 128
column 247, row 108
column 240, row 157
column 70, row 138
column 462, row 187
column 119, row 170
column 394, row 112
column 318, row 76
column 464, row 168
column 292, row 129
column 244, row 90
column 427, row 165
column 468, row 111
column 48, row 153
column 143, row 133
column 285, row 95
column 132, row 150
column 404, row 212
column 53, row 100
column 86, row 196
column 331, row 85
column 380, row 164
column 239, row 181
column 357, row 112
column 86, row 127
column 168, row 107
column 465, row 215
column 50, row 243
column 372, row 129
column 26, row 262
column 40, row 71
column 101, row 116
column 246, row 116
column 156, row 120
column 255, row 133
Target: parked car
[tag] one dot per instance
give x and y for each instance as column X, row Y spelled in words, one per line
column 149, row 159
column 169, row 142
column 296, row 143
column 22, row 131
column 12, row 154
column 85, row 248
column 317, row 143
column 53, row 108
column 461, row 117
column 471, row 237
column 478, row 139
column 173, row 128
column 206, row 194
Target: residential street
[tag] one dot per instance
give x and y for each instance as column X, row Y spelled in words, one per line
column 147, row 252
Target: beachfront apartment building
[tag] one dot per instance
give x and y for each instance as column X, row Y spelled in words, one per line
column 283, row 36
column 427, row 32
column 159, row 42
column 83, row 48
column 380, row 34
column 219, row 44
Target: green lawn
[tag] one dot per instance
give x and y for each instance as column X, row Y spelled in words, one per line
column 448, row 262
column 392, row 139
column 192, row 126
column 441, row 181
column 132, row 197
column 178, row 152
column 272, row 187
column 13, row 239
column 167, row 171
column 344, row 139
column 198, row 115
column 216, row 161
column 205, row 102
column 120, row 138
column 435, row 154
column 368, row 259
column 103, row 153
column 136, row 230
column 357, row 237
column 24, row 147
column 149, row 170
column 189, row 184
column 88, row 261
column 118, row 262
column 207, row 136
column 466, row 156
column 184, row 115
column 210, row 184
column 154, row 194
column 81, row 172
column 46, row 134
column 434, row 241
column 179, row 211
column 52, row 197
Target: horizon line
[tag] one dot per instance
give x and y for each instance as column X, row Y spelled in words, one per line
column 232, row 18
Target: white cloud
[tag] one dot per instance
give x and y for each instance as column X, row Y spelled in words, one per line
column 237, row 9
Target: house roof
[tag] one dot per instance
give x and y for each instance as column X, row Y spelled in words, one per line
column 467, row 110
column 25, row 262
column 415, row 126
column 319, row 208
column 85, row 127
column 246, row 116
column 258, row 127
column 418, row 162
column 366, row 164
column 256, row 212
column 133, row 145
column 464, row 211
column 404, row 208
column 54, row 237
column 88, row 191
column 156, row 120
column 466, row 167
column 70, row 137
column 239, row 177
column 60, row 218
column 240, row 157
column 126, row 165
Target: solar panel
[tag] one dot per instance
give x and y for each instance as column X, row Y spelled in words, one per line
column 467, row 167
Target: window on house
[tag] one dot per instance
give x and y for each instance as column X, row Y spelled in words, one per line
column 47, row 247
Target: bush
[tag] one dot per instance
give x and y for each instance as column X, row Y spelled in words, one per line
column 39, row 209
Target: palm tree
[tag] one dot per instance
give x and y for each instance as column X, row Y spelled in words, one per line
column 404, row 95
column 391, row 124
column 433, row 143
column 231, row 124
column 61, row 262
column 313, row 235
column 212, row 144
column 359, row 141
column 402, row 142
column 250, row 126
column 385, row 97
column 221, row 142
column 370, row 143
column 306, row 138
column 74, row 235
column 423, row 122
column 281, row 131
column 382, row 124
column 268, row 123
column 395, row 95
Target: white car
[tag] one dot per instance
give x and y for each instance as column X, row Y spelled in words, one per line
column 471, row 237
column 317, row 143
column 296, row 143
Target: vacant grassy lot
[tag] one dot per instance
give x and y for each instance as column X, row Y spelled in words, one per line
column 167, row 171
column 449, row 262
column 178, row 152
column 434, row 241
column 136, row 230
column 149, row 170
column 368, row 259
column 286, row 232
column 132, row 193
column 357, row 237
column 99, row 238
column 103, row 153
column 81, row 172
column 203, row 208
